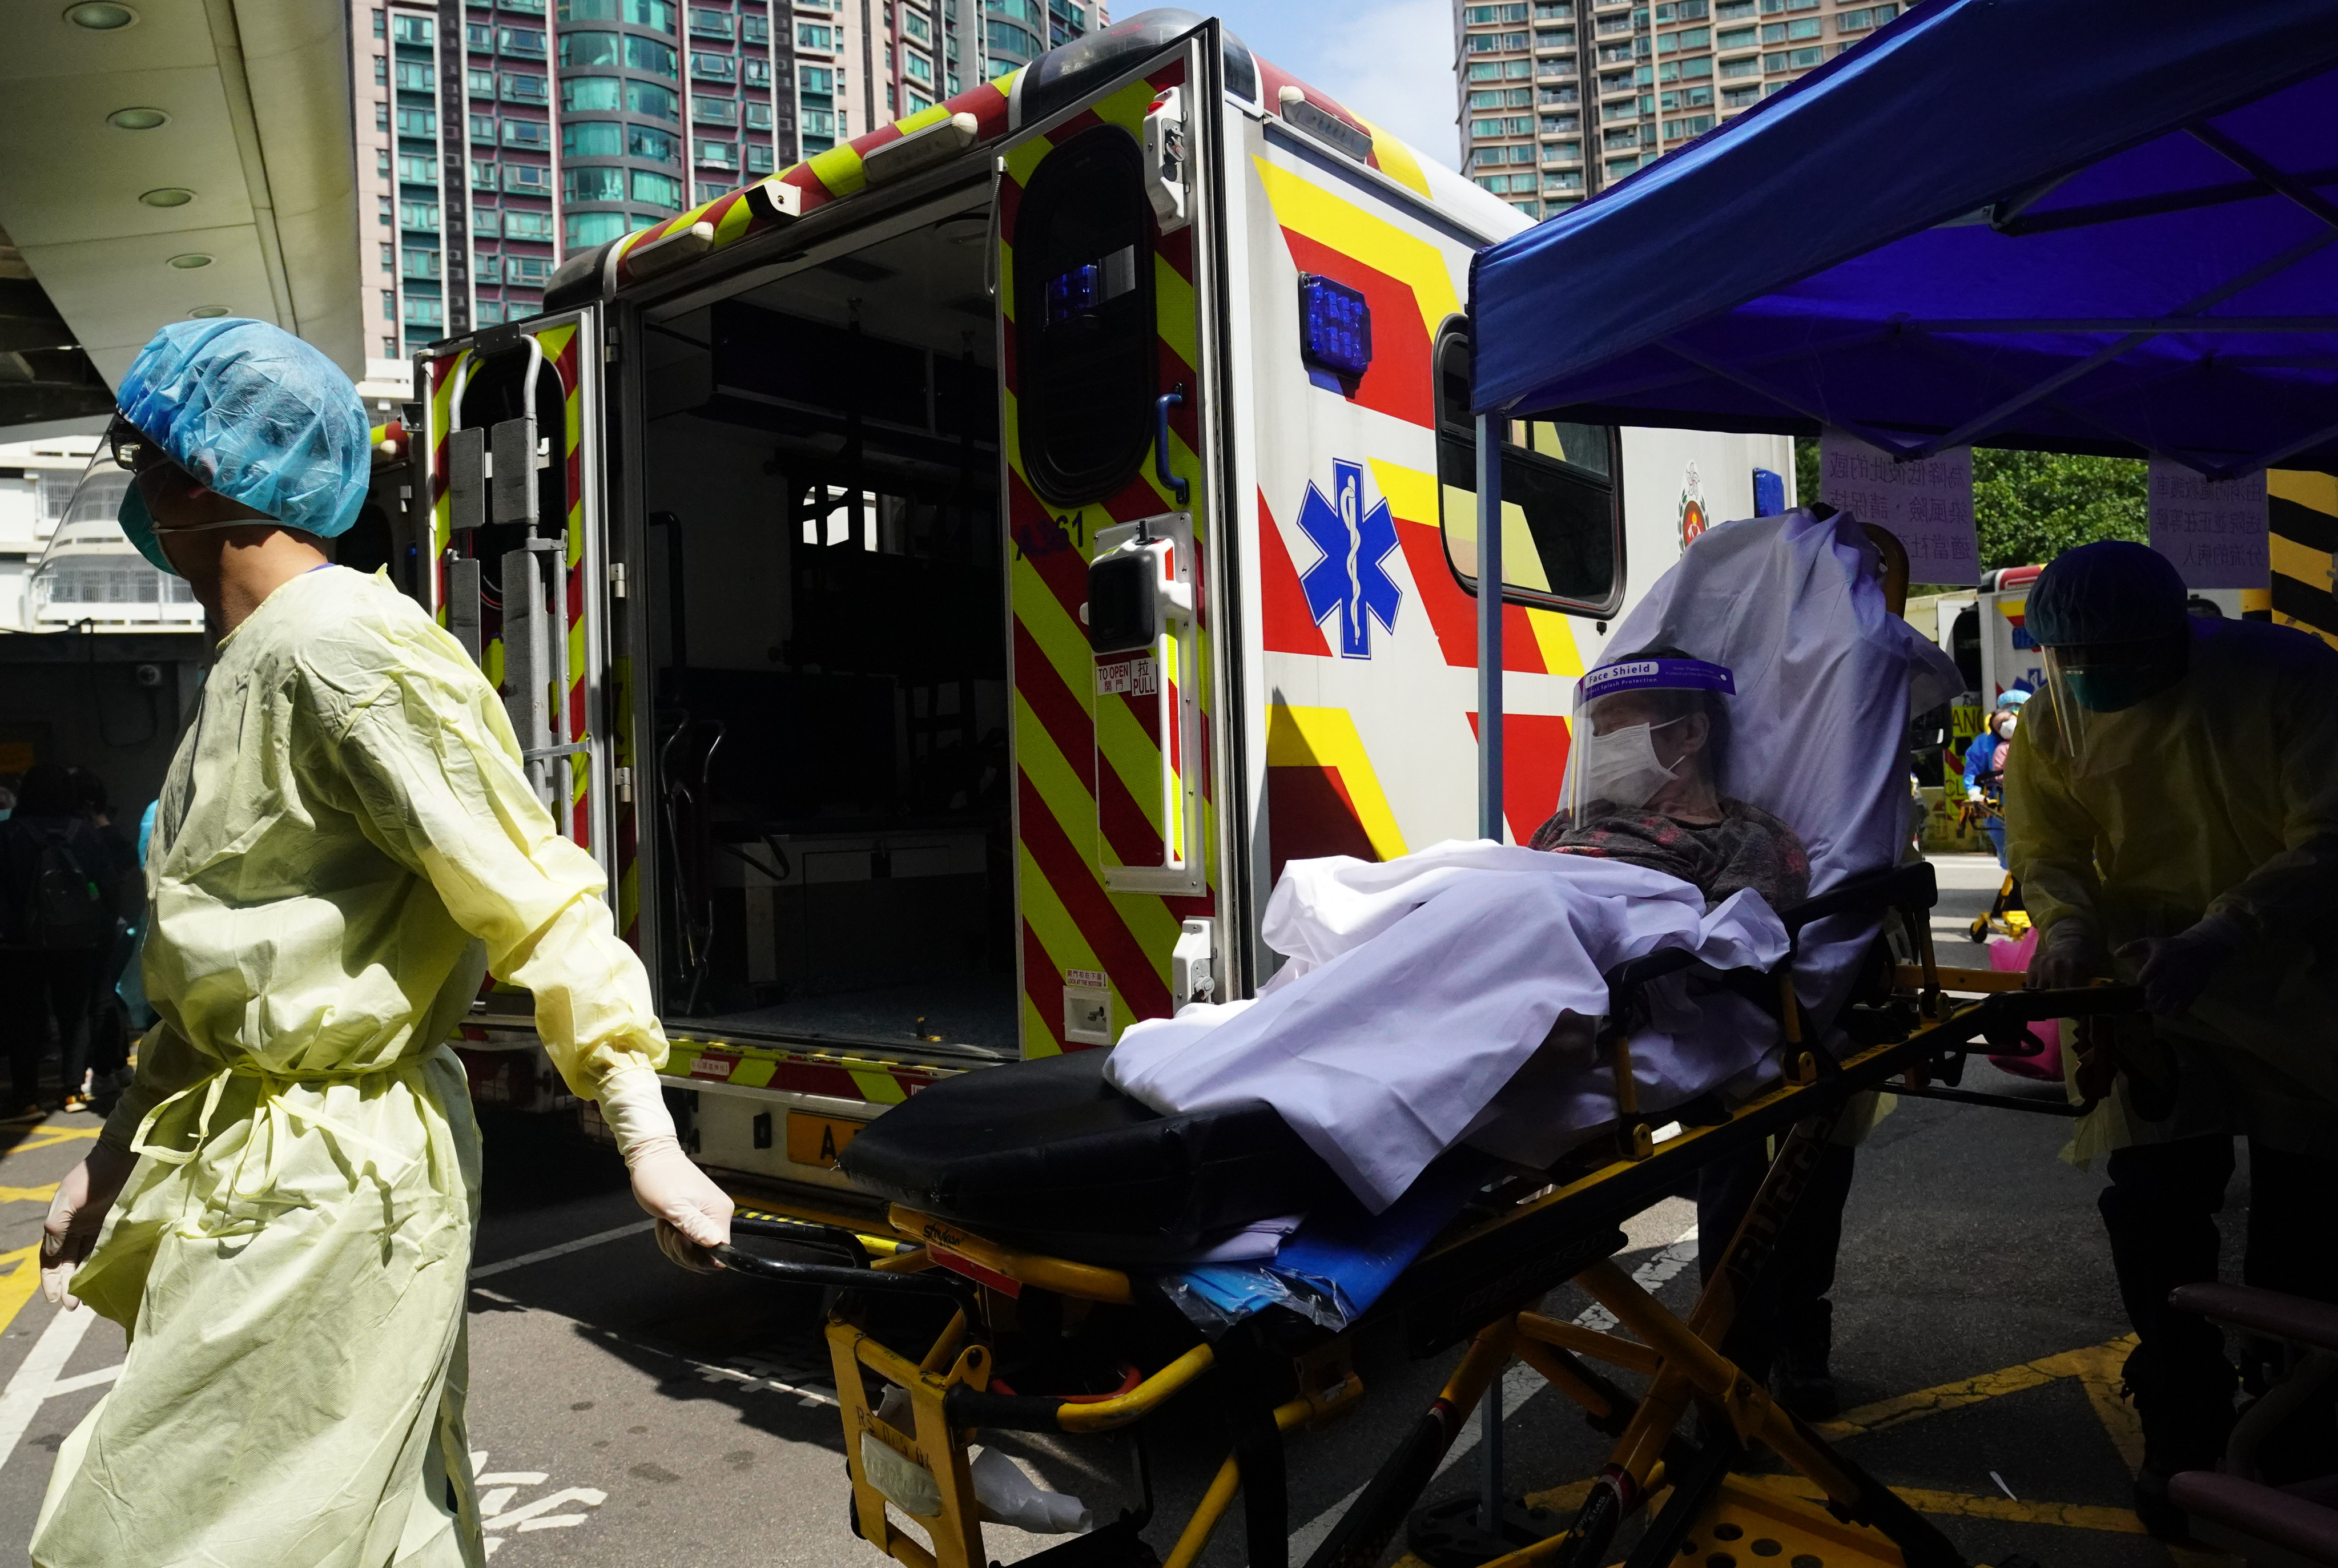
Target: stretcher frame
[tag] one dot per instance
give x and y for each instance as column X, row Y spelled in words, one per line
column 1479, row 1282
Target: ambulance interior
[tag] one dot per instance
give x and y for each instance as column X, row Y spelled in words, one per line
column 827, row 601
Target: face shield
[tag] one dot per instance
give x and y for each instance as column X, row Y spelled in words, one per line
column 1639, row 726
column 2092, row 687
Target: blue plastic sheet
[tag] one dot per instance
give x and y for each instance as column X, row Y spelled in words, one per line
column 2078, row 225
column 1338, row 1263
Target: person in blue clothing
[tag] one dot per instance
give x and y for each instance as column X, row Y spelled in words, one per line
column 1985, row 764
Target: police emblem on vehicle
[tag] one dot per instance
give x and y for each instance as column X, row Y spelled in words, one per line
column 1352, row 579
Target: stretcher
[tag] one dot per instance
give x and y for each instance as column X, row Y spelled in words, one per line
column 1038, row 1335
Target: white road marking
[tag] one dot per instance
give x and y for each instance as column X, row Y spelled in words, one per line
column 1519, row 1385
column 37, row 1378
column 488, row 1270
column 81, row 1380
column 530, row 1516
column 495, row 1512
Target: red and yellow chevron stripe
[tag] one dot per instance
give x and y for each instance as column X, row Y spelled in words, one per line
column 1077, row 810
column 877, row 1080
column 824, row 177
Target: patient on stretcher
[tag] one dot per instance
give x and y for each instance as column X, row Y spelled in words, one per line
column 1648, row 781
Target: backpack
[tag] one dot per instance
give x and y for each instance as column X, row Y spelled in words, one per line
column 58, row 904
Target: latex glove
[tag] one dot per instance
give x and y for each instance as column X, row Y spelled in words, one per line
column 85, row 1198
column 2176, row 969
column 692, row 1213
column 2068, row 955
column 1976, row 797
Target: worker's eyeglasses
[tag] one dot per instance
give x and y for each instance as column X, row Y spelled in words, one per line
column 130, row 449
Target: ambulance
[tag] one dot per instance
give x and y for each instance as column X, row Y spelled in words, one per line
column 946, row 582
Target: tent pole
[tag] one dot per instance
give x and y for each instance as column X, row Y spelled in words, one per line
column 1490, row 625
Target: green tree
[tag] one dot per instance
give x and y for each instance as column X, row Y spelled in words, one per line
column 2031, row 506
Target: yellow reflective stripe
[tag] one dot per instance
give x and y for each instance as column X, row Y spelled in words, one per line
column 2318, row 491
column 680, row 1058
column 1038, row 1039
column 1308, row 209
column 1173, row 312
column 932, row 114
column 838, row 170
column 879, row 1088
column 734, row 223
column 754, row 1072
column 1061, row 787
column 1556, row 638
column 1396, row 159
column 1327, row 738
column 1058, row 933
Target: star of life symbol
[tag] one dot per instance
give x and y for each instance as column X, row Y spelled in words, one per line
column 1352, row 576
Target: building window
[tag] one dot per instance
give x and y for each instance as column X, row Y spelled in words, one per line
column 483, row 175
column 418, row 171
column 759, row 158
column 522, row 224
column 592, row 184
column 1861, row 20
column 1739, row 97
column 424, row 313
column 1619, row 167
column 482, row 129
column 525, row 89
column 821, row 123
column 408, row 29
column 486, row 222
column 384, row 212
column 1557, row 95
column 1554, row 11
column 482, row 83
column 755, row 72
column 592, row 139
column 755, row 29
column 529, row 269
column 718, row 154
column 389, row 304
column 1695, row 125
column 388, row 251
column 584, row 229
column 1743, row 65
column 921, row 68
column 588, row 93
column 657, row 13
column 713, row 190
column 1794, row 60
column 649, row 98
column 527, row 178
column 811, row 35
column 1570, row 179
column 1562, row 152
column 707, row 23
column 521, row 41
column 914, row 24
column 657, row 190
column 704, row 111
column 759, row 116
column 1561, row 124
column 490, row 267
column 715, row 67
column 480, row 38
column 413, row 76
column 658, row 146
column 422, row 264
column 1555, row 38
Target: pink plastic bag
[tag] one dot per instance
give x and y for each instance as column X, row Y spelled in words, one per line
column 2014, row 957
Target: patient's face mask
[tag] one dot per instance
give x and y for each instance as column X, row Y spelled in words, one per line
column 1622, row 765
column 1617, row 760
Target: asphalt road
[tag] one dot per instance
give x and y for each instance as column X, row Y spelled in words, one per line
column 625, row 1413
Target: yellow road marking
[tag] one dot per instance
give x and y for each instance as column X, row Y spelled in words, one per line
column 2073, row 1515
column 28, row 1194
column 17, row 1286
column 48, row 1138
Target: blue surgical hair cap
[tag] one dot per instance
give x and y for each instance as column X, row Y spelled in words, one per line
column 2107, row 592
column 257, row 415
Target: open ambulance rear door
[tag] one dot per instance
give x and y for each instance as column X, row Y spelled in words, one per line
column 1111, row 273
column 513, row 472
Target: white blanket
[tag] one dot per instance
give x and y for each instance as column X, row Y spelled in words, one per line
column 1383, row 1056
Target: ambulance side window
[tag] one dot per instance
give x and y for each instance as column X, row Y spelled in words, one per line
column 1558, row 479
column 1084, row 341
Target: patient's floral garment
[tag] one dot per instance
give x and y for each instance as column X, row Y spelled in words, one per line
column 1748, row 847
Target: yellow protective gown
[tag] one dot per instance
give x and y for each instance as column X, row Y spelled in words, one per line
column 2219, row 794
column 344, row 843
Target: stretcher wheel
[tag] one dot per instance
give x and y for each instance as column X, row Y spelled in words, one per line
column 1980, row 929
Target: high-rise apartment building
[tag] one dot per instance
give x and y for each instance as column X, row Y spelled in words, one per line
column 495, row 137
column 1561, row 98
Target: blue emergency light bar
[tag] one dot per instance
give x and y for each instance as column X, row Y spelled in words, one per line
column 1335, row 326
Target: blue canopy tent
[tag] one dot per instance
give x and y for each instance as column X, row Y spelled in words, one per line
column 2099, row 225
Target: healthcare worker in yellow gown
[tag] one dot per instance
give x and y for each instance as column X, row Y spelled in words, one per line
column 2172, row 813
column 282, row 1206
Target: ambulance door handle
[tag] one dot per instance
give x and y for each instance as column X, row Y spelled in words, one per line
column 1179, row 487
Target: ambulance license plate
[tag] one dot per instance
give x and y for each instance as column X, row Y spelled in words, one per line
column 818, row 1140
